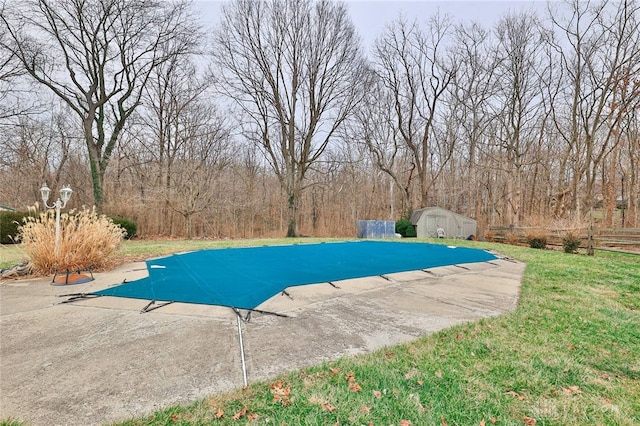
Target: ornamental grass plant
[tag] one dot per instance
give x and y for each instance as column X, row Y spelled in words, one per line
column 86, row 240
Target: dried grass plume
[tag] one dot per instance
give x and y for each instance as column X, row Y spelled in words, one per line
column 86, row 240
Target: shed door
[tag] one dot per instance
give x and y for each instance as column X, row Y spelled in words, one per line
column 432, row 223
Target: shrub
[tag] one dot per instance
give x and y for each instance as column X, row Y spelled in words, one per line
column 571, row 242
column 512, row 238
column 537, row 240
column 129, row 226
column 405, row 228
column 9, row 224
column 86, row 240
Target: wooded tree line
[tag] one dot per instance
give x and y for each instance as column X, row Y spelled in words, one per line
column 277, row 120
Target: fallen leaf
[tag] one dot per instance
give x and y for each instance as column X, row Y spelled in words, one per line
column 281, row 392
column 529, row 421
column 240, row 414
column 365, row 409
column 494, row 420
column 443, row 421
column 439, row 374
column 571, row 347
column 574, row 389
column 458, row 337
column 174, row 417
column 517, row 395
column 253, row 416
column 422, row 407
column 405, row 422
column 571, row 390
column 350, row 376
column 482, row 423
column 219, row 413
column 377, row 394
column 326, row 406
column 335, row 371
column 389, row 355
column 354, row 387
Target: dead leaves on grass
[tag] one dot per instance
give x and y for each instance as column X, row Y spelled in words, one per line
column 571, row 390
column 324, row 404
column 244, row 412
column 240, row 414
column 281, row 393
column 353, row 385
column 219, row 413
column 516, row 395
column 528, row 421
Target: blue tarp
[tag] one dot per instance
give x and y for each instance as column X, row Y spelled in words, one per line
column 246, row 277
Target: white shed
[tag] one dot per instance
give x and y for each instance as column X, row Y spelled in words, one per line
column 428, row 220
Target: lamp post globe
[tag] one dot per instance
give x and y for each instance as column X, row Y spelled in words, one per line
column 60, row 203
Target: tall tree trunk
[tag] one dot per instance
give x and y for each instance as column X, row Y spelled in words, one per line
column 292, row 210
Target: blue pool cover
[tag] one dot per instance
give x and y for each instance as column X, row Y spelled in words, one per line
column 246, row 277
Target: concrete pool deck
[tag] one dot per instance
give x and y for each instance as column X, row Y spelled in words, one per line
column 100, row 360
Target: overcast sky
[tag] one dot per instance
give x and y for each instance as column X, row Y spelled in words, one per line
column 370, row 16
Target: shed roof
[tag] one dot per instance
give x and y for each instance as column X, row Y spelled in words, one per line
column 415, row 216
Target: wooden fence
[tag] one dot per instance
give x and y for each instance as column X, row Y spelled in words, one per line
column 613, row 239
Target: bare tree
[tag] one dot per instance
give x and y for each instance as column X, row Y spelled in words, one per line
column 175, row 115
column 410, row 63
column 296, row 71
column 474, row 88
column 630, row 167
column 374, row 126
column 35, row 150
column 97, row 56
column 518, row 106
column 599, row 50
column 10, row 70
column 198, row 165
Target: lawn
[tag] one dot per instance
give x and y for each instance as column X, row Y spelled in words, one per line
column 10, row 254
column 568, row 355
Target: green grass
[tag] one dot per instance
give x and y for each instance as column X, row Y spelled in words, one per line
column 11, row 254
column 568, row 355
